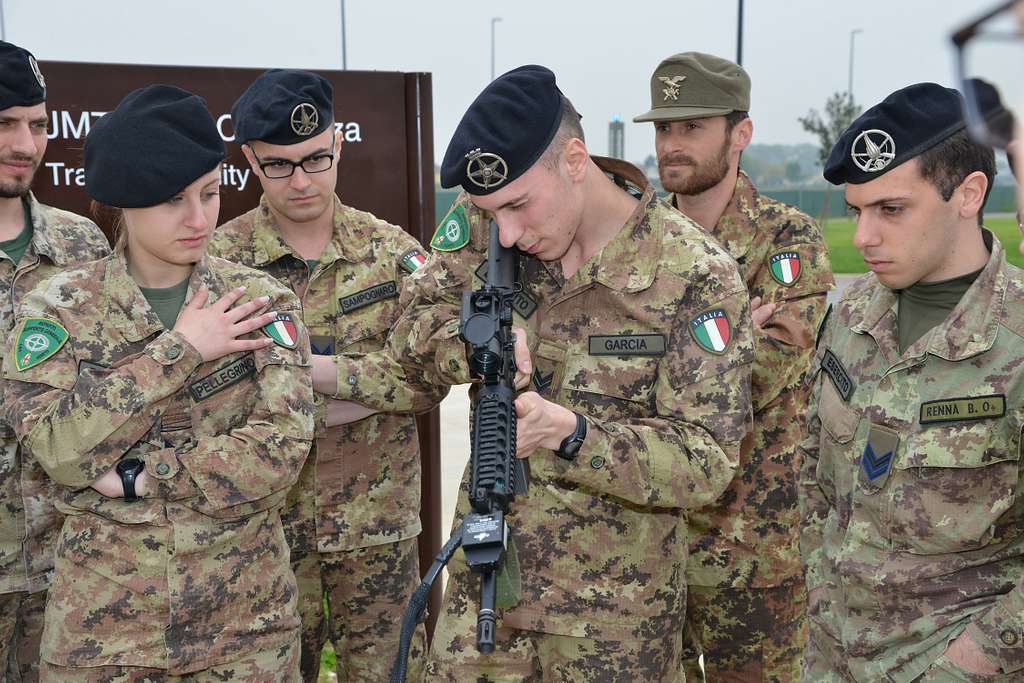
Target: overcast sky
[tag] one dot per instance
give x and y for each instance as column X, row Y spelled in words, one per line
column 603, row 52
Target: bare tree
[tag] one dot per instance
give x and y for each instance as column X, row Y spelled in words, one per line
column 840, row 111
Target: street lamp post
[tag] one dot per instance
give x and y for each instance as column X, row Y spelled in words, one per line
column 494, row 20
column 739, row 34
column 344, row 59
column 3, row 31
column 849, row 83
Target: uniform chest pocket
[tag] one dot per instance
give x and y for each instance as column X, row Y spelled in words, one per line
column 954, row 485
column 611, row 387
column 362, row 327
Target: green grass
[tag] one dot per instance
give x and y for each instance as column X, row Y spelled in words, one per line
column 846, row 259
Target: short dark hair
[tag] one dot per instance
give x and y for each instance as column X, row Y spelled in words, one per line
column 732, row 118
column 569, row 127
column 948, row 163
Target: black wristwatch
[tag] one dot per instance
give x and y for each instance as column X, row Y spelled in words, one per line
column 572, row 443
column 130, row 469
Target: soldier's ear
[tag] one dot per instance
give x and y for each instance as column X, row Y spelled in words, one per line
column 742, row 133
column 338, row 139
column 971, row 194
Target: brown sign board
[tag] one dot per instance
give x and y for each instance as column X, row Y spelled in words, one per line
column 386, row 167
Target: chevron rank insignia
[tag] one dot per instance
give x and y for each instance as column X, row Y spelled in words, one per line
column 876, row 461
column 542, row 381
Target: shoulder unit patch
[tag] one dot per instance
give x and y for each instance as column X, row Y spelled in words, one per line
column 711, row 330
column 785, row 267
column 412, row 260
column 283, row 331
column 453, row 232
column 38, row 340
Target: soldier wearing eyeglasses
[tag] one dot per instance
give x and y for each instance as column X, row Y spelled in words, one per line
column 353, row 517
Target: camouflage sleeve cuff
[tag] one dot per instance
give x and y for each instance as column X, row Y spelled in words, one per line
column 452, row 365
column 178, row 357
column 1000, row 631
column 168, row 480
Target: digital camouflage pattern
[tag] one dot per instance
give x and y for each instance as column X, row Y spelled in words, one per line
column 195, row 574
column 602, row 540
column 361, row 485
column 28, row 520
column 368, row 590
column 280, row 665
column 747, row 634
column 750, row 537
column 20, row 631
column 911, row 509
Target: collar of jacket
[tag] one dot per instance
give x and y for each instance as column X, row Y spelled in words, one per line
column 350, row 240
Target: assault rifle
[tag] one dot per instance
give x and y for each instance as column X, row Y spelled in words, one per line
column 496, row 475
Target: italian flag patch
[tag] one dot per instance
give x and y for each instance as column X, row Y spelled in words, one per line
column 283, row 331
column 413, row 260
column 711, row 330
column 785, row 267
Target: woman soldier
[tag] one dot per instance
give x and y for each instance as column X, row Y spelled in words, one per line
column 172, row 428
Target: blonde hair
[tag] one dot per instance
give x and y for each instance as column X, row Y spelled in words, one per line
column 115, row 217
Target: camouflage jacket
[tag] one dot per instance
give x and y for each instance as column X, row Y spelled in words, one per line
column 910, row 487
column 28, row 520
column 602, row 540
column 361, row 484
column 196, row 573
column 751, row 536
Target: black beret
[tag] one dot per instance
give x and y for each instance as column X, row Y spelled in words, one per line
column 283, row 107
column 506, row 129
column 21, row 82
column 905, row 124
column 156, row 142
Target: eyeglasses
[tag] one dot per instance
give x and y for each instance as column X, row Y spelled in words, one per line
column 992, row 47
column 318, row 162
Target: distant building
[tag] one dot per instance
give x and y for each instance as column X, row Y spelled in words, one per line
column 616, row 138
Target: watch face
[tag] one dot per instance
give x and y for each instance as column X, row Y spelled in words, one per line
column 130, row 466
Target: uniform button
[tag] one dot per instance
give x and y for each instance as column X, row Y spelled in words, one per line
column 162, row 468
column 1008, row 637
column 352, row 380
column 597, row 462
column 174, row 352
column 453, row 365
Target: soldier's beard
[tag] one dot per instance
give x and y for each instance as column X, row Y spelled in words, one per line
column 703, row 177
column 16, row 188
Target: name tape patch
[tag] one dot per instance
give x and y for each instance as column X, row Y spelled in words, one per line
column 840, row 378
column 960, row 409
column 627, row 345
column 370, row 295
column 222, row 378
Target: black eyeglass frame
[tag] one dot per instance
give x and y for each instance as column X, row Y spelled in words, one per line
column 301, row 163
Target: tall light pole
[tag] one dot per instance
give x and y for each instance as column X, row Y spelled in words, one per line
column 3, row 32
column 494, row 20
column 344, row 60
column 739, row 34
column 849, row 83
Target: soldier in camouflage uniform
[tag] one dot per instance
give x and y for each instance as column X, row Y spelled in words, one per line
column 36, row 241
column 910, row 490
column 172, row 430
column 746, row 601
column 637, row 344
column 353, row 519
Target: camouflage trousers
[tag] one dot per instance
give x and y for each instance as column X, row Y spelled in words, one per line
column 366, row 592
column 270, row 666
column 21, row 628
column 531, row 656
column 747, row 635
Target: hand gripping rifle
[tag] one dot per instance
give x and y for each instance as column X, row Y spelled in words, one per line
column 496, row 475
